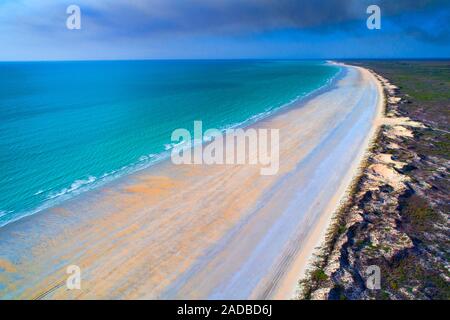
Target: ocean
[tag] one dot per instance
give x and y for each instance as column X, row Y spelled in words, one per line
column 67, row 127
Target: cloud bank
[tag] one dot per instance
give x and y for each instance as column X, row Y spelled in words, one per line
column 26, row 23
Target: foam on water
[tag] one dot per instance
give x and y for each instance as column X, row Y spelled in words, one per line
column 70, row 127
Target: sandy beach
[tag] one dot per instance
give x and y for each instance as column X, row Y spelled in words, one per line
column 203, row 231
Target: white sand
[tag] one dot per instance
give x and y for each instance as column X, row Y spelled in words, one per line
column 203, row 231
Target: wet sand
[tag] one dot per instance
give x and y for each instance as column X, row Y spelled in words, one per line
column 199, row 231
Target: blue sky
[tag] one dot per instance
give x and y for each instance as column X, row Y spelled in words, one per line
column 227, row 29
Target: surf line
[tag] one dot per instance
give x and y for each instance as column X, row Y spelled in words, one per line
column 234, row 146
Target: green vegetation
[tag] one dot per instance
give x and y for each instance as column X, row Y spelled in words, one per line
column 419, row 269
column 442, row 148
column 425, row 84
column 407, row 273
column 319, row 275
column 422, row 81
column 419, row 214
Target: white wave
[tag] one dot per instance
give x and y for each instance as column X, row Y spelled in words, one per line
column 145, row 161
column 169, row 146
column 147, row 157
column 73, row 187
column 4, row 213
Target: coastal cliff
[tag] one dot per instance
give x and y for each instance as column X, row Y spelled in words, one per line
column 396, row 215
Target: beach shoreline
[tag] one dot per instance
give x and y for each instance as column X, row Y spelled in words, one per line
column 318, row 235
column 378, row 225
column 197, row 232
column 89, row 179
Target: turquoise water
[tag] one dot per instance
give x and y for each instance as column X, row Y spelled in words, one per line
column 66, row 127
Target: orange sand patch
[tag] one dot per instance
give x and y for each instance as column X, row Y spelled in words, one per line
column 7, row 266
column 142, row 188
column 153, row 186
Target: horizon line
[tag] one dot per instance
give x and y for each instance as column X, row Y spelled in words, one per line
column 233, row 59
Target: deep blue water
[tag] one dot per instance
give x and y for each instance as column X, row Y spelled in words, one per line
column 66, row 127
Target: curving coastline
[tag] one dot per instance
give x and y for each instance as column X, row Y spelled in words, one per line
column 203, row 232
column 395, row 218
column 125, row 124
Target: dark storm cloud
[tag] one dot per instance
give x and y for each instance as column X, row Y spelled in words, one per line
column 232, row 17
column 140, row 18
column 36, row 29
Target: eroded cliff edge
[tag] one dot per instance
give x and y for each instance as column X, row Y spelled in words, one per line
column 396, row 215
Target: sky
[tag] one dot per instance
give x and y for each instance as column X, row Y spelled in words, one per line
column 223, row 29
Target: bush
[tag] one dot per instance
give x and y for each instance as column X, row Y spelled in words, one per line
column 418, row 213
column 319, row 275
